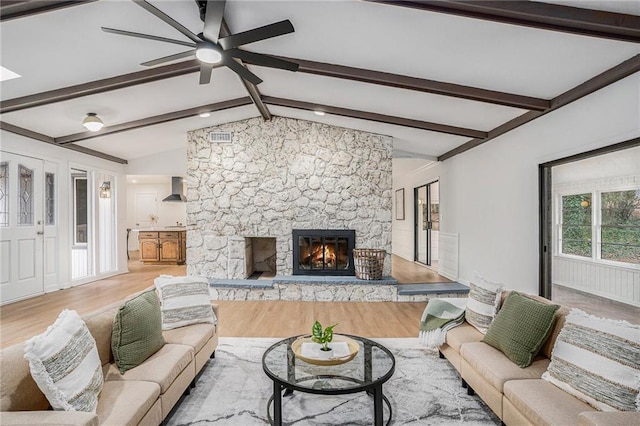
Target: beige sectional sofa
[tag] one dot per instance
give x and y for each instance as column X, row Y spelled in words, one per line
column 143, row 395
column 519, row 396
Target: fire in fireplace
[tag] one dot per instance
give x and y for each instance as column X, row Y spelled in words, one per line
column 323, row 251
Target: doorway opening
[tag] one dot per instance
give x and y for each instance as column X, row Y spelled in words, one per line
column 426, row 224
column 590, row 231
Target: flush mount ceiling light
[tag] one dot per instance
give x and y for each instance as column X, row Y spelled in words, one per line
column 92, row 122
column 208, row 53
column 205, row 114
column 320, row 113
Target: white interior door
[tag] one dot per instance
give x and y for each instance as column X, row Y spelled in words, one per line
column 21, row 227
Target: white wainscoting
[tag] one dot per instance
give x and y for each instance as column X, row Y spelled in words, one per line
column 448, row 253
column 79, row 262
column 612, row 282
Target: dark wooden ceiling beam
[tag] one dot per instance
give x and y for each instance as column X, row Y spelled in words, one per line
column 612, row 75
column 371, row 116
column 251, row 88
column 14, row 9
column 100, row 86
column 150, row 121
column 554, row 17
column 419, row 84
column 48, row 139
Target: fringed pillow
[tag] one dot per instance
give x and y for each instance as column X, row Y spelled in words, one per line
column 184, row 301
column 65, row 365
column 484, row 302
column 597, row 360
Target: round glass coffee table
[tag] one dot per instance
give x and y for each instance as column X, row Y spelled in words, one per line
column 372, row 366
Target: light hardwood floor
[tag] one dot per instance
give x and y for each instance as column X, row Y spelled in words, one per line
column 21, row 320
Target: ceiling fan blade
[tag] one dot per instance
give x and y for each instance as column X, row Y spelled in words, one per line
column 263, row 60
column 213, row 19
column 242, row 71
column 256, row 34
column 167, row 19
column 147, row 36
column 205, row 73
column 169, row 58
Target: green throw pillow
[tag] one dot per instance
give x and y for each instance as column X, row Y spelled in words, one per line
column 521, row 328
column 137, row 331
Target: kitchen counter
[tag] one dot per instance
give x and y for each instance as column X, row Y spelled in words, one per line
column 161, row 228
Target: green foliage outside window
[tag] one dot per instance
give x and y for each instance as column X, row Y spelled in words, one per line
column 621, row 226
column 576, row 224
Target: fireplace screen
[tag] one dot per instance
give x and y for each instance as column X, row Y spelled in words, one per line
column 323, row 252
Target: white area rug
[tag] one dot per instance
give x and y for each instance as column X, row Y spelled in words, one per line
column 234, row 390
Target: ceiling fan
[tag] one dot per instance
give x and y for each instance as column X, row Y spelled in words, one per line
column 209, row 48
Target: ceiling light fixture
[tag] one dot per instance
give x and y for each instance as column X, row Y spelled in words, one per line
column 320, row 113
column 208, row 53
column 92, row 122
column 205, row 114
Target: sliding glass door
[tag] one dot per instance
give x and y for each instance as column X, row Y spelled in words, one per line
column 426, row 223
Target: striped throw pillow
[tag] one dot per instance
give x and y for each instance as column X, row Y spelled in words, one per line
column 184, row 301
column 597, row 360
column 65, row 365
column 483, row 304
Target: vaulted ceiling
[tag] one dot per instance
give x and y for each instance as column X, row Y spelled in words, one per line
column 440, row 77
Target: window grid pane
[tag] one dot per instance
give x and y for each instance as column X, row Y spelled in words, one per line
column 25, row 196
column 49, row 199
column 576, row 224
column 4, row 194
column 620, row 230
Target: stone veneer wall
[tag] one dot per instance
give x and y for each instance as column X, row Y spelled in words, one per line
column 281, row 175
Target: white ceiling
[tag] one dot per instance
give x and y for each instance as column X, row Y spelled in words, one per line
column 66, row 47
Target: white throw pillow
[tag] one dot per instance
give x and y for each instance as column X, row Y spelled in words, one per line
column 483, row 304
column 597, row 360
column 65, row 365
column 184, row 301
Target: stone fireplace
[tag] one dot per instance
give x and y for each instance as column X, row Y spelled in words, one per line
column 277, row 176
column 323, row 251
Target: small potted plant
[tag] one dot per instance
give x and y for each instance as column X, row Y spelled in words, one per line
column 323, row 337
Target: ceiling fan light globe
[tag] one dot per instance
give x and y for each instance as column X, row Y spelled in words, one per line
column 208, row 54
column 92, row 122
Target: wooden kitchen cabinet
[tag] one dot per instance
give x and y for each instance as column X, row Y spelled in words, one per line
column 160, row 247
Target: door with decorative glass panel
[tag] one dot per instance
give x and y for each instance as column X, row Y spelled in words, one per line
column 25, row 222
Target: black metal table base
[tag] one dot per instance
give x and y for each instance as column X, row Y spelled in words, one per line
column 378, row 398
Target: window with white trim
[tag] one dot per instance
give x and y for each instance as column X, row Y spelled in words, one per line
column 611, row 219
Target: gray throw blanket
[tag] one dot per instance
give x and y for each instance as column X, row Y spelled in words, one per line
column 440, row 316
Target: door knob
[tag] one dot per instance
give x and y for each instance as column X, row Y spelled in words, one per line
column 40, row 232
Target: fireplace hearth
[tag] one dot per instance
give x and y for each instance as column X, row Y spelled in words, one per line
column 323, row 251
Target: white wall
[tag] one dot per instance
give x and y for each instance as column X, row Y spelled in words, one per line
column 65, row 159
column 171, row 163
column 489, row 195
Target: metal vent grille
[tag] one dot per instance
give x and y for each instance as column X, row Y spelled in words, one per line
column 220, row 137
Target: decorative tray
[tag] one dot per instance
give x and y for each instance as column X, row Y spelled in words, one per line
column 311, row 352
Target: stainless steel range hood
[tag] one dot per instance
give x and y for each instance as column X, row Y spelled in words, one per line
column 176, row 190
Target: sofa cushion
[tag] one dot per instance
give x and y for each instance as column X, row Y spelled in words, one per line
column 137, row 331
column 496, row 368
column 126, row 402
column 598, row 361
column 462, row 334
column 521, row 328
column 196, row 335
column 184, row 301
column 483, row 304
column 65, row 364
column 542, row 403
column 162, row 367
